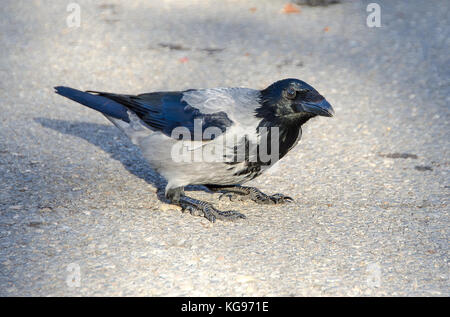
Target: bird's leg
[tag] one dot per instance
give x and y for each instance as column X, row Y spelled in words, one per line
column 237, row 192
column 200, row 208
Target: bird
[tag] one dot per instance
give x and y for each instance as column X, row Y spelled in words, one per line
column 220, row 138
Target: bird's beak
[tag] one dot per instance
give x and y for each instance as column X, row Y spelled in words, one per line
column 320, row 108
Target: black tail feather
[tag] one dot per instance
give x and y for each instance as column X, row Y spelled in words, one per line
column 104, row 105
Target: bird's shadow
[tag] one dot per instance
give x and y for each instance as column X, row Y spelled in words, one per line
column 112, row 141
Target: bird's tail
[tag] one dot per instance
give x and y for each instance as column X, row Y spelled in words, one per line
column 106, row 106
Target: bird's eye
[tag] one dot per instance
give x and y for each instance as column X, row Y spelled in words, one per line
column 291, row 93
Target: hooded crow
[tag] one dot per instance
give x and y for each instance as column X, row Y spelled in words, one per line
column 219, row 138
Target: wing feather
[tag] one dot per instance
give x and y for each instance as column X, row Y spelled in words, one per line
column 228, row 109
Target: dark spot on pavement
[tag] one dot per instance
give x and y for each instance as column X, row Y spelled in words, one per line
column 175, row 47
column 179, row 47
column 315, row 3
column 399, row 155
column 109, row 11
column 35, row 224
column 211, row 50
column 289, row 62
column 423, row 168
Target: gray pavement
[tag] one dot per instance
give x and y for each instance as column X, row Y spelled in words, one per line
column 80, row 211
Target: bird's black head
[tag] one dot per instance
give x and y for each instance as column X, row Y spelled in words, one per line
column 293, row 99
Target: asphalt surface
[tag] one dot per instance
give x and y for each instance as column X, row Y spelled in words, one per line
column 80, row 210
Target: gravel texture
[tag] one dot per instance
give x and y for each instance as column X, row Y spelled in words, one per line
column 371, row 185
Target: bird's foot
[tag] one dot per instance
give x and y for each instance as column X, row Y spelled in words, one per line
column 280, row 198
column 202, row 208
column 260, row 198
column 244, row 193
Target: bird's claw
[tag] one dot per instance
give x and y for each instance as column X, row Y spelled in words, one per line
column 280, row 199
column 261, row 198
column 209, row 212
column 244, row 193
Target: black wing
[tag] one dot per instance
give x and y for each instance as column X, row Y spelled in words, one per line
column 165, row 111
